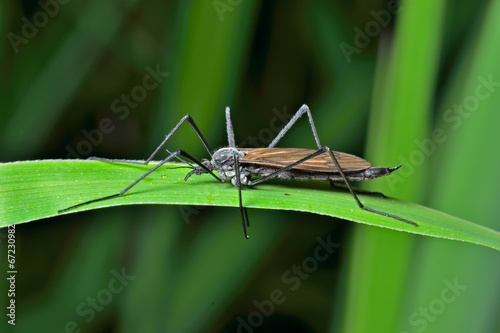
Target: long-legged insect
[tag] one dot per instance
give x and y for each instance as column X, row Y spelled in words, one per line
column 240, row 164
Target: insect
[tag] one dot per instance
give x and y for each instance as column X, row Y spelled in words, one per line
column 239, row 165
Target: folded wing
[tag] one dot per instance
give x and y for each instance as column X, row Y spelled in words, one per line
column 282, row 157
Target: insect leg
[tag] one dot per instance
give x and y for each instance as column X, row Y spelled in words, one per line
column 303, row 109
column 243, row 211
column 167, row 137
column 173, row 155
column 300, row 112
column 334, row 159
column 229, row 129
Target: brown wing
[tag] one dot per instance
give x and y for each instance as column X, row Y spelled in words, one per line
column 281, row 157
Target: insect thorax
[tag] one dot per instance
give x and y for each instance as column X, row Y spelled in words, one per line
column 223, row 162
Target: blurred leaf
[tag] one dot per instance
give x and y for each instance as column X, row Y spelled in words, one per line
column 60, row 77
column 205, row 68
column 34, row 190
column 469, row 118
column 342, row 108
column 86, row 273
column 401, row 112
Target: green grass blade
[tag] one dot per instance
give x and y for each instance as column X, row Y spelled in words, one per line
column 38, row 189
column 401, row 108
column 472, row 134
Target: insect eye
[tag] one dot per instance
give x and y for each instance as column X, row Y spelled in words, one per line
column 222, row 156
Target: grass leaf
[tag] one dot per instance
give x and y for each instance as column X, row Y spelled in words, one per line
column 34, row 190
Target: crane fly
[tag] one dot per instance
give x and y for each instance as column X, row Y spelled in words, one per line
column 239, row 165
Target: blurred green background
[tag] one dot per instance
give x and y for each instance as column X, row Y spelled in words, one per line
column 416, row 83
